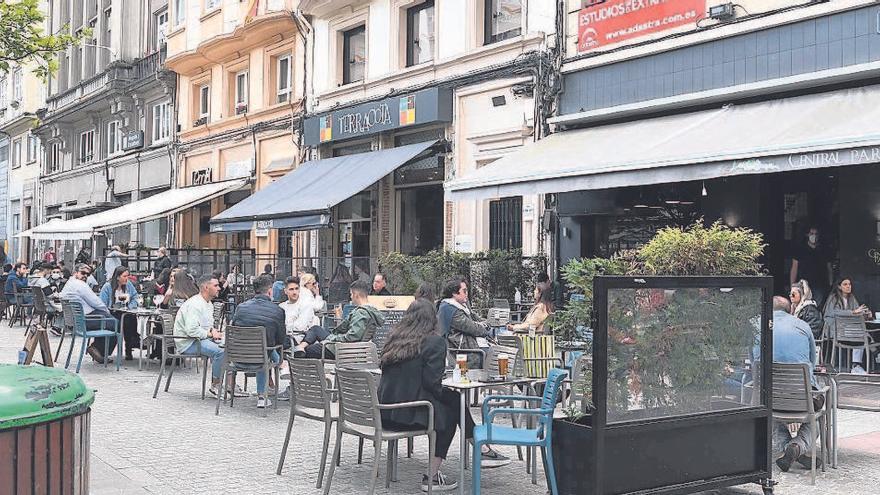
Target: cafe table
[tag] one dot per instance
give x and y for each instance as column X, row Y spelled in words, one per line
column 144, row 316
column 464, row 389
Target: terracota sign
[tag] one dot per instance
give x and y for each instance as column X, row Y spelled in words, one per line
column 610, row 22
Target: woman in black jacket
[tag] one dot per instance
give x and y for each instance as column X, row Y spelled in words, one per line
column 413, row 363
column 805, row 308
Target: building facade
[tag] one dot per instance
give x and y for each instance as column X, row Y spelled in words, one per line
column 106, row 127
column 466, row 77
column 241, row 86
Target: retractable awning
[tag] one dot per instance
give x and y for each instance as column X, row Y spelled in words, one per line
column 302, row 198
column 157, row 206
column 813, row 131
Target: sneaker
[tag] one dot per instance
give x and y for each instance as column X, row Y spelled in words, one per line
column 284, row 395
column 215, row 390
column 238, row 392
column 439, row 483
column 858, row 370
column 792, row 452
column 807, row 462
column 263, row 402
column 56, row 331
column 493, row 459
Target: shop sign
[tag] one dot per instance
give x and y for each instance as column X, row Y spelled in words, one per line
column 261, row 228
column 133, row 140
column 620, row 20
column 802, row 161
column 202, row 176
column 423, row 107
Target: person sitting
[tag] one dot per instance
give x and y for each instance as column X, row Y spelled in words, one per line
column 842, row 301
column 40, row 278
column 539, row 313
column 353, row 329
column 458, row 323
column 302, row 317
column 413, row 363
column 380, row 286
column 57, row 279
column 181, row 288
column 278, row 286
column 805, row 308
column 291, row 306
column 65, row 273
column 120, row 291
column 76, row 289
column 425, row 291
column 260, row 311
column 793, row 343
column 195, row 319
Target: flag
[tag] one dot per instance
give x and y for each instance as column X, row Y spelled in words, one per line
column 252, row 11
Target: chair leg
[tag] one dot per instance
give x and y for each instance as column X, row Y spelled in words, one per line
column 335, row 460
column 159, row 379
column 813, row 455
column 204, row 377
column 475, row 472
column 360, row 450
column 60, row 343
column 70, row 351
column 409, row 447
column 549, row 469
column 432, row 439
column 220, row 393
column 82, row 351
column 377, row 457
column 287, row 442
column 232, row 385
column 170, row 374
column 324, row 449
column 389, row 460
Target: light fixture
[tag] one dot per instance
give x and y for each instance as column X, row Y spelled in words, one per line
column 704, row 193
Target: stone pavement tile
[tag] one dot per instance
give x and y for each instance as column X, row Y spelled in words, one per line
column 867, row 442
column 104, row 479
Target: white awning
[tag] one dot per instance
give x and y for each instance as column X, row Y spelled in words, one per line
column 144, row 210
column 813, row 131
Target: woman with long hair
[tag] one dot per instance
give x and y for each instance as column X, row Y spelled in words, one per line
column 425, row 291
column 842, row 301
column 539, row 313
column 413, row 364
column 120, row 292
column 182, row 287
column 805, row 308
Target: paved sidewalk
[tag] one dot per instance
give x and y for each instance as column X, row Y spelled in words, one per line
column 175, row 445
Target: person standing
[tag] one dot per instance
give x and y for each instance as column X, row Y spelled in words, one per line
column 113, row 260
column 162, row 262
column 811, row 262
column 49, row 257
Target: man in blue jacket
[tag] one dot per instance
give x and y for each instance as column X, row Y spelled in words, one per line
column 17, row 279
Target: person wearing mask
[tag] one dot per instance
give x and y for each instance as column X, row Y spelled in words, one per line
column 413, row 363
column 539, row 313
column 113, row 260
column 380, row 286
column 842, row 301
column 459, row 324
column 793, row 343
column 119, row 291
column 17, row 279
column 57, row 279
column 805, row 308
column 260, row 311
column 363, row 320
column 77, row 290
column 812, row 263
column 162, row 261
column 40, row 278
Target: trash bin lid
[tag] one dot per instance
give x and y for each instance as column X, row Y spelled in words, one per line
column 37, row 394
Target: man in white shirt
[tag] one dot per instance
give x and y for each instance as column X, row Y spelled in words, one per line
column 76, row 289
column 291, row 305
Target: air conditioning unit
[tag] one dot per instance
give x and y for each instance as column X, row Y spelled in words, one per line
column 200, row 121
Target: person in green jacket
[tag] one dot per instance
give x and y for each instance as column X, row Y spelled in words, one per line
column 360, row 323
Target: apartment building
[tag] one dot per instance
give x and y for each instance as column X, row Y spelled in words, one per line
column 403, row 95
column 106, row 127
column 241, row 88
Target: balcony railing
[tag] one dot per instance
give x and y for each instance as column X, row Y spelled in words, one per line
column 149, row 65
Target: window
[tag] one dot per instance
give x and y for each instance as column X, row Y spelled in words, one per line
column 87, row 146
column 161, row 122
column 505, row 223
column 160, row 20
column 503, row 20
column 204, row 101
column 114, row 138
column 354, row 54
column 16, row 153
column 16, row 85
column 179, row 12
column 211, row 4
column 3, row 93
column 32, row 148
column 54, row 158
column 284, row 77
column 420, row 33
column 241, row 92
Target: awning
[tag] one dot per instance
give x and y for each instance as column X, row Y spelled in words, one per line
column 814, row 131
column 156, row 206
column 302, row 198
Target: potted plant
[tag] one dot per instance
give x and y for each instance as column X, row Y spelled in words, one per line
column 672, row 321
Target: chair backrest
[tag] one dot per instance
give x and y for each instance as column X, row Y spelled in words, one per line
column 850, row 327
column 246, row 345
column 19, row 291
column 500, row 303
column 167, row 323
column 39, row 302
column 355, row 353
column 791, row 388
column 536, row 348
column 548, row 400
column 74, row 316
column 67, row 313
column 218, row 314
column 309, row 384
column 515, row 342
column 491, row 364
column 358, row 398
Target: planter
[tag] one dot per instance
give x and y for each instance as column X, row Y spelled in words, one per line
column 573, row 456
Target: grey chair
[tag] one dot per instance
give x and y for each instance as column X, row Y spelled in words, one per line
column 850, row 334
column 22, row 308
column 246, row 352
column 360, row 415
column 793, row 403
column 219, row 315
column 310, row 398
column 171, row 355
column 67, row 326
column 356, row 353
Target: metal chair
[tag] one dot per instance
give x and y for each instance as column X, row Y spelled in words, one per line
column 67, row 325
column 43, row 311
column 219, row 315
column 78, row 322
column 493, row 369
column 360, row 415
column 851, row 334
column 21, row 308
column 171, row 355
column 4, row 305
column 355, row 353
column 310, row 398
column 793, row 403
column 246, row 351
column 541, row 436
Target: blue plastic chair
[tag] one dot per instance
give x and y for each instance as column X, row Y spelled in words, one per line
column 489, row 434
column 76, row 318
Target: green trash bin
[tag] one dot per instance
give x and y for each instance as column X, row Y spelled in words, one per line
column 44, row 431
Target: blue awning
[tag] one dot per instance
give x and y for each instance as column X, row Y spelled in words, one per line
column 302, row 199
